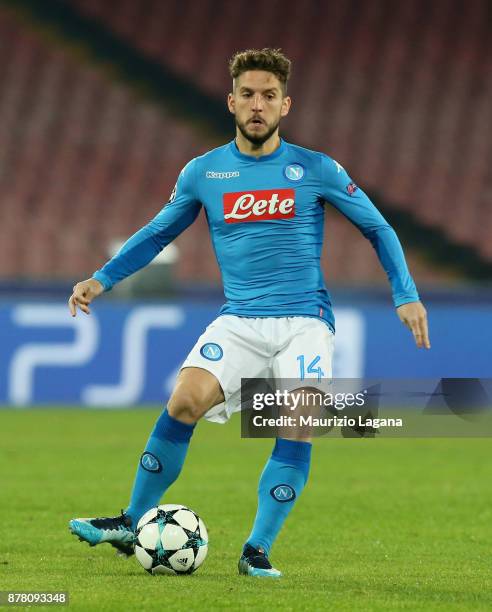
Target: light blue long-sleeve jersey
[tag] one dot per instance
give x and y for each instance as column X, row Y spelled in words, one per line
column 266, row 222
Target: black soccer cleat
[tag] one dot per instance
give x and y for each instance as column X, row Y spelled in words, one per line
column 116, row 531
column 254, row 562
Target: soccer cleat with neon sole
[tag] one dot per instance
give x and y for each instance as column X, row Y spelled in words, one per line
column 254, row 562
column 116, row 531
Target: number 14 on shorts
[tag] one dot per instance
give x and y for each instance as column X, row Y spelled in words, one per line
column 311, row 368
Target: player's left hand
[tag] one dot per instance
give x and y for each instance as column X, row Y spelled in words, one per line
column 414, row 316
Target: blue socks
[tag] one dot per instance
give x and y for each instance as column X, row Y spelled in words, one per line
column 281, row 483
column 160, row 464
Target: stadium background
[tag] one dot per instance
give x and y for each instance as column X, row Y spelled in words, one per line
column 102, row 103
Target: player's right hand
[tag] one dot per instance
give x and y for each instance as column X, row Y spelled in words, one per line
column 83, row 294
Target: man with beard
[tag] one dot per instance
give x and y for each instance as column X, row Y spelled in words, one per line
column 264, row 199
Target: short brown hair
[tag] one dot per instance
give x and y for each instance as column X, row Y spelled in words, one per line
column 271, row 60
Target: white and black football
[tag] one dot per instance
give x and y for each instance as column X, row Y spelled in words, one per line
column 171, row 539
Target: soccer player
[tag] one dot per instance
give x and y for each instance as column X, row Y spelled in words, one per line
column 264, row 199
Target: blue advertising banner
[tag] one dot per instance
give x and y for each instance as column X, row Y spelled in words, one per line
column 126, row 354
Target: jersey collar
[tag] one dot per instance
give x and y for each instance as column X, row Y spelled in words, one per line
column 251, row 158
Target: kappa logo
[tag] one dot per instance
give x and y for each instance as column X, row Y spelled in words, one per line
column 212, row 351
column 264, row 205
column 150, row 463
column 283, row 493
column 222, row 175
column 339, row 166
column 294, row 172
column 172, row 197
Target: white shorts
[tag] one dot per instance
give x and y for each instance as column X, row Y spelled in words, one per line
column 235, row 347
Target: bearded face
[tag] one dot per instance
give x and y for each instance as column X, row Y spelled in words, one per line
column 258, row 104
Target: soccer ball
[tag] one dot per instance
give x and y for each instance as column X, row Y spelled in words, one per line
column 171, row 539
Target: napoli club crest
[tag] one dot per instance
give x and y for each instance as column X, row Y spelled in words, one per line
column 283, row 493
column 150, row 462
column 212, row 351
column 294, row 172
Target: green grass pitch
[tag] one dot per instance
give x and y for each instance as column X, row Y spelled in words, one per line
column 382, row 525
